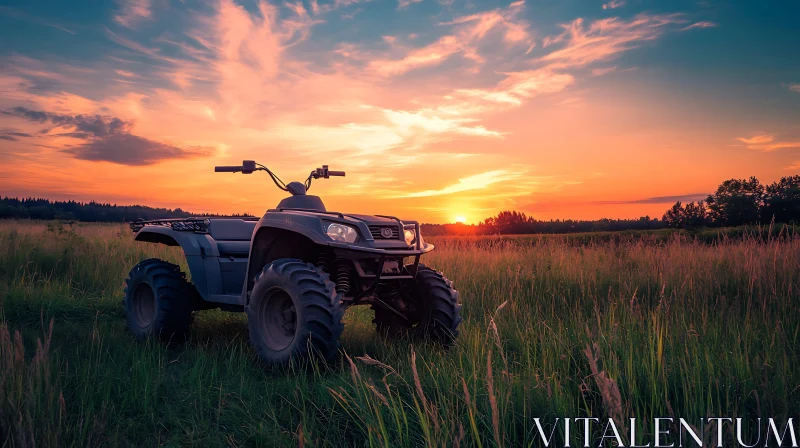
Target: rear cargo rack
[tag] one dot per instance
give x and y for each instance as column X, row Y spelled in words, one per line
column 179, row 224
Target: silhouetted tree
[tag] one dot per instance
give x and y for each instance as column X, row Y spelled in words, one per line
column 675, row 216
column 509, row 222
column 695, row 215
column 782, row 200
column 736, row 202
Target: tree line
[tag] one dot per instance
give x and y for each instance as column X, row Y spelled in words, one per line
column 517, row 223
column 45, row 209
column 738, row 202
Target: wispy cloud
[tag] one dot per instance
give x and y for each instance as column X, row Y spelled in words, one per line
column 579, row 45
column 466, row 33
column 401, row 4
column 614, row 4
column 132, row 45
column 692, row 197
column 475, row 182
column 603, row 71
column 517, row 86
column 767, row 143
column 795, row 88
column 606, row 38
column 132, row 12
column 21, row 15
column 701, row 24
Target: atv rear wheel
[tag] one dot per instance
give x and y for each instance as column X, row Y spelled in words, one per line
column 433, row 309
column 294, row 311
column 158, row 301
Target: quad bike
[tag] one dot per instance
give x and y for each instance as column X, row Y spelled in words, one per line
column 294, row 272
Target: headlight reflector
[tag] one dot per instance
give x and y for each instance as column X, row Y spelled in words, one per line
column 341, row 233
column 410, row 236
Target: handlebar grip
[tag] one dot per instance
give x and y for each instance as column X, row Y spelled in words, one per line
column 336, row 173
column 227, row 169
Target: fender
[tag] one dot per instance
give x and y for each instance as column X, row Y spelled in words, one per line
column 284, row 234
column 278, row 237
column 200, row 250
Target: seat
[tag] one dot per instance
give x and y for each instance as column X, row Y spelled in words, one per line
column 305, row 202
column 225, row 229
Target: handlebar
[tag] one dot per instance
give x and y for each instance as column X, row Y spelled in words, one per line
column 249, row 166
column 228, row 169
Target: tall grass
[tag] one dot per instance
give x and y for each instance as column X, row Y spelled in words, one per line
column 613, row 328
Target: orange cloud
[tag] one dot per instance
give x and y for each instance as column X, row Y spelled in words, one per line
column 767, row 143
column 475, row 182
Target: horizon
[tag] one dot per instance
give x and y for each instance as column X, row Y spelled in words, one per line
column 437, row 110
column 184, row 209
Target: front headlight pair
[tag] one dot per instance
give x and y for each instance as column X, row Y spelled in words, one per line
column 347, row 234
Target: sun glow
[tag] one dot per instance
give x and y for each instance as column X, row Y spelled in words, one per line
column 461, row 219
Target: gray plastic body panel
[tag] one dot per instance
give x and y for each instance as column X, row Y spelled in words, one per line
column 201, row 253
column 218, row 268
column 312, row 224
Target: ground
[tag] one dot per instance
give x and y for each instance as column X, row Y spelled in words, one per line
column 640, row 326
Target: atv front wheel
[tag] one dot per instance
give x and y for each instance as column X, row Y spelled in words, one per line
column 433, row 310
column 294, row 311
column 158, row 301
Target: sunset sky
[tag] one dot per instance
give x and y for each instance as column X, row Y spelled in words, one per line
column 435, row 109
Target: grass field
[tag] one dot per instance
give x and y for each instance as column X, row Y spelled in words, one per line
column 621, row 328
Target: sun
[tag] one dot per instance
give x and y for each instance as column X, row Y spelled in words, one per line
column 461, row 219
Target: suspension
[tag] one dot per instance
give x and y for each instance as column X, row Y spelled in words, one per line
column 343, row 276
column 325, row 260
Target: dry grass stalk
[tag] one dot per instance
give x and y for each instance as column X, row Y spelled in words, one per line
column 493, row 400
column 497, row 341
column 354, row 374
column 466, row 393
column 300, row 438
column 460, row 437
column 612, row 399
column 32, row 408
column 425, row 405
column 370, row 361
column 377, row 393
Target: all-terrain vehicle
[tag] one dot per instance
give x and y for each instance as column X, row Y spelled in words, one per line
column 294, row 272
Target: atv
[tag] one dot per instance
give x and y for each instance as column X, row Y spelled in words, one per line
column 294, row 272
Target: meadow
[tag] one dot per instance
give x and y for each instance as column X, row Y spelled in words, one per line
column 638, row 326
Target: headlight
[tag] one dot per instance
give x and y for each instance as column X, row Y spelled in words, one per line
column 410, row 237
column 341, row 233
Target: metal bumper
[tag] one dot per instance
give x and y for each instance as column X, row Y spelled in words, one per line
column 383, row 252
